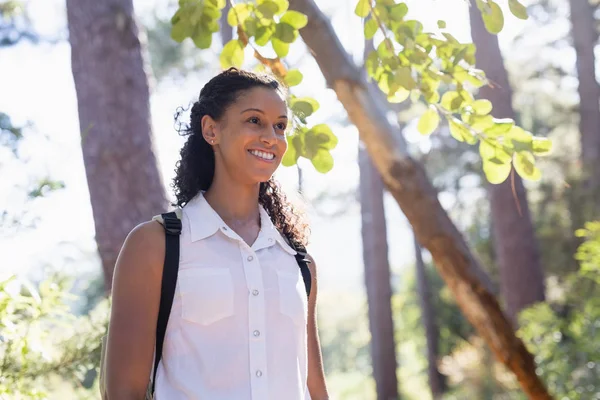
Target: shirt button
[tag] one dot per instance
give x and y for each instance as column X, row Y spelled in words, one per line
column 270, row 240
column 255, row 292
column 256, row 333
column 224, row 228
column 250, row 258
column 259, row 373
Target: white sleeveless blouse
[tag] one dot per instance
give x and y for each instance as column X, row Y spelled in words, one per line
column 237, row 329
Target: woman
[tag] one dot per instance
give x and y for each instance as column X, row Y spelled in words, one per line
column 241, row 326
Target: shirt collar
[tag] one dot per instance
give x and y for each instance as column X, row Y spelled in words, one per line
column 205, row 222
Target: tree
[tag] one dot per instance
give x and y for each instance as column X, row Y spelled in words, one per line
column 437, row 383
column 377, row 275
column 125, row 185
column 405, row 179
column 377, row 279
column 585, row 37
column 518, row 257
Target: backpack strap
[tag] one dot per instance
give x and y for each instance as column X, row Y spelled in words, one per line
column 172, row 223
column 302, row 260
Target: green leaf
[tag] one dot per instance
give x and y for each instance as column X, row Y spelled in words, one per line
column 283, row 6
column 403, row 76
column 281, row 48
column 238, row 14
column 295, row 19
column 219, row 4
column 322, row 136
column 482, row 106
column 492, row 151
column 493, row 18
column 460, row 132
column 525, row 166
column 251, row 26
column 263, row 35
column 429, row 121
column 291, row 155
column 441, row 24
column 232, row 54
column 211, row 12
column 293, row 77
column 398, row 11
column 399, row 96
column 480, row 123
column 202, row 38
column 541, row 146
column 451, row 101
column 285, row 32
column 370, row 28
column 304, row 106
column 519, row 139
column 268, row 9
column 501, row 127
column 181, row 30
column 517, row 9
column 496, row 173
column 363, row 8
column 322, row 161
column 372, row 63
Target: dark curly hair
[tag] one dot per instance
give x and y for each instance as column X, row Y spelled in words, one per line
column 195, row 170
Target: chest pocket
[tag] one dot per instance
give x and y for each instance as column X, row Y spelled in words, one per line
column 206, row 295
column 292, row 297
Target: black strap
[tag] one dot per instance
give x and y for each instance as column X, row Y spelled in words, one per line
column 172, row 226
column 301, row 258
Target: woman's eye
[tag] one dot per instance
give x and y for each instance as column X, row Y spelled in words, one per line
column 281, row 126
column 254, row 120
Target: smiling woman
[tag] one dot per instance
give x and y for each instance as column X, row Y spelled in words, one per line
column 241, row 325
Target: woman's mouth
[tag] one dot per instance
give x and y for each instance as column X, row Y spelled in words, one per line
column 263, row 155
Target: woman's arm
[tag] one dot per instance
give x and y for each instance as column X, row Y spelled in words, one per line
column 134, row 312
column 316, row 376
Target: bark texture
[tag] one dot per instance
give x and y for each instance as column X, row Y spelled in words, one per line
column 377, row 279
column 108, row 67
column 518, row 257
column 437, row 383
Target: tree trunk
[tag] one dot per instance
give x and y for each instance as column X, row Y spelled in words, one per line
column 377, row 274
column 226, row 30
column 125, row 185
column 585, row 37
column 377, row 279
column 405, row 179
column 518, row 257
column 437, row 383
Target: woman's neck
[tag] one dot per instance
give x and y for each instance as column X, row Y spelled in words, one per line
column 235, row 203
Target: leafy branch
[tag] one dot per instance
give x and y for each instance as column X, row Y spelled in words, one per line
column 258, row 25
column 408, row 62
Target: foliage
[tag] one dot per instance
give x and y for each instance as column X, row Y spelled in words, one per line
column 14, row 24
column 562, row 334
column 40, row 339
column 408, row 62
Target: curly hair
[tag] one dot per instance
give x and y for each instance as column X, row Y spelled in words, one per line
column 195, row 170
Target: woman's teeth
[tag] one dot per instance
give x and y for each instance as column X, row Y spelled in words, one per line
column 262, row 154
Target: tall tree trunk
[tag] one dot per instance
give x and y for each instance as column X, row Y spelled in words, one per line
column 226, row 30
column 377, row 274
column 125, row 185
column 520, row 268
column 437, row 383
column 406, row 180
column 585, row 38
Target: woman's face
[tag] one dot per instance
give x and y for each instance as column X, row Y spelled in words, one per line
column 250, row 138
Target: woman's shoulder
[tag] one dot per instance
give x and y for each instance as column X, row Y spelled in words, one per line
column 144, row 248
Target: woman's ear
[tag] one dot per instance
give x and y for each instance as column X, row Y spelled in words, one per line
column 209, row 129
